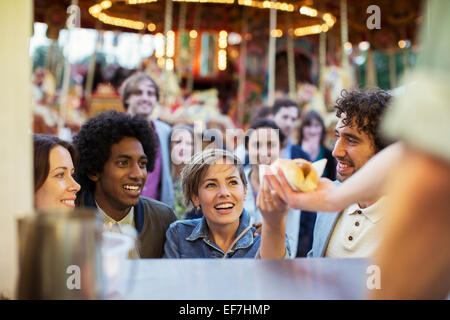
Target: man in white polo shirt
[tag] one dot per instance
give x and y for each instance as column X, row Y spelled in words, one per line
column 354, row 232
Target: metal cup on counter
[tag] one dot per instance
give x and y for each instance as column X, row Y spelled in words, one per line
column 60, row 256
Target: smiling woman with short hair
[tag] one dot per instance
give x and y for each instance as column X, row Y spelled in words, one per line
column 214, row 182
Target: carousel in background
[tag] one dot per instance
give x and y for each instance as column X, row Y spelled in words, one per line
column 218, row 61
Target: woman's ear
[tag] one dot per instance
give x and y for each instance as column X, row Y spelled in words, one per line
column 195, row 200
column 245, row 193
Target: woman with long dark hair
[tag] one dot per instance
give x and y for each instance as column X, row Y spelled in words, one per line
column 312, row 135
column 54, row 185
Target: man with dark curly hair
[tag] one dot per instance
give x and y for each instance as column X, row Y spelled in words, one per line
column 357, row 133
column 116, row 153
column 354, row 232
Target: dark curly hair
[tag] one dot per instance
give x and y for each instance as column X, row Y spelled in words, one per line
column 98, row 134
column 365, row 110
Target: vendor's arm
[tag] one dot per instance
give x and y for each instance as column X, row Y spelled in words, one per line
column 365, row 185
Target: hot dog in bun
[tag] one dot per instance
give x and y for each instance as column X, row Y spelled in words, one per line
column 300, row 173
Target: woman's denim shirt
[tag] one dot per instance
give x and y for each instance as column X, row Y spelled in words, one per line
column 190, row 239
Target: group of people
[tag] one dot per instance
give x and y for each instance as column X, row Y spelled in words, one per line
column 140, row 172
column 119, row 165
column 144, row 173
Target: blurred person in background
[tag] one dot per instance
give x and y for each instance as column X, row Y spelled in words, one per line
column 263, row 143
column 285, row 113
column 181, row 151
column 312, row 134
column 140, row 95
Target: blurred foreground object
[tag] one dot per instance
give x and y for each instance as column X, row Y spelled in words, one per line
column 60, row 256
column 414, row 258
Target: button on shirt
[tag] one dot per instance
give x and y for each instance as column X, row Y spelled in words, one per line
column 357, row 232
column 111, row 225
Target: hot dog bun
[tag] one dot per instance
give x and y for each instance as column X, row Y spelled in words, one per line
column 300, row 173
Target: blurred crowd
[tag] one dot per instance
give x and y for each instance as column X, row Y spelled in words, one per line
column 197, row 187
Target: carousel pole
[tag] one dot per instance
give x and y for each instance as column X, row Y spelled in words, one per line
column 181, row 31
column 143, row 17
column 344, row 35
column 404, row 48
column 190, row 80
column 371, row 75
column 322, row 57
column 65, row 85
column 291, row 58
column 49, row 57
column 392, row 67
column 59, row 68
column 271, row 57
column 91, row 70
column 243, row 67
column 322, row 61
column 167, row 27
column 405, row 59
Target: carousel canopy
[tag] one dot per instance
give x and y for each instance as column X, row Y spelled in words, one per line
column 399, row 20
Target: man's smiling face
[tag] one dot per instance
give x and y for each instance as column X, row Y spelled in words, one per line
column 118, row 186
column 143, row 99
column 352, row 150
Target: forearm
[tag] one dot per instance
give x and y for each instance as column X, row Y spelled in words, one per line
column 368, row 183
column 273, row 240
column 364, row 186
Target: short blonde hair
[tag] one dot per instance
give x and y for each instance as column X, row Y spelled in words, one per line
column 200, row 162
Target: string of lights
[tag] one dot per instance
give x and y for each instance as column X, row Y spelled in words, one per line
column 97, row 11
column 328, row 19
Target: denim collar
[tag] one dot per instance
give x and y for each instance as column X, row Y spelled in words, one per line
column 202, row 231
